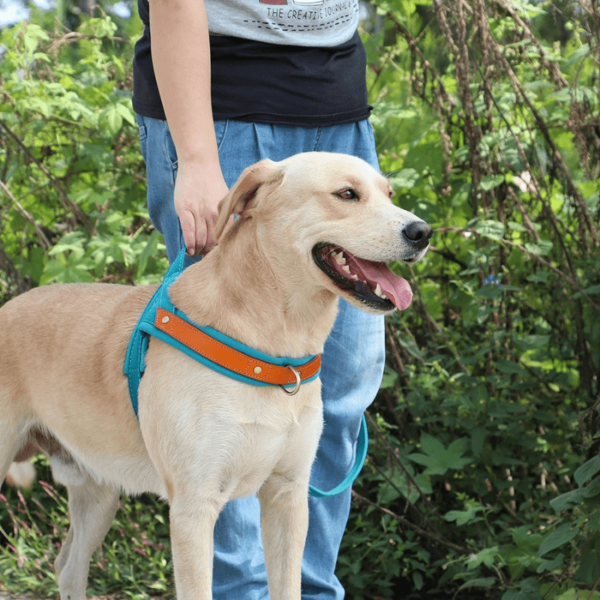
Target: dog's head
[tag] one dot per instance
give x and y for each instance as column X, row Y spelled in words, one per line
column 330, row 216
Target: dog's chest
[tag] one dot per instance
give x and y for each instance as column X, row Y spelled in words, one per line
column 265, row 431
column 272, row 408
column 270, row 442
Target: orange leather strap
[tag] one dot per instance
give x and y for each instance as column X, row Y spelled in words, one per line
column 228, row 357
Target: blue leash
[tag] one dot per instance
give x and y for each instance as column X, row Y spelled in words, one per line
column 361, row 454
column 135, row 363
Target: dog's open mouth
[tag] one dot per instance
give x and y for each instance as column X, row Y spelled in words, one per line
column 373, row 283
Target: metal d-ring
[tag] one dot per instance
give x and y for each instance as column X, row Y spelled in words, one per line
column 298, row 382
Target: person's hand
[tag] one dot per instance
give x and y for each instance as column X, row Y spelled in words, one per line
column 198, row 191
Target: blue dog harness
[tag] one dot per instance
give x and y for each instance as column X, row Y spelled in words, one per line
column 160, row 310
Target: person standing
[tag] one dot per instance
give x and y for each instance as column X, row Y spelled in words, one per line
column 218, row 86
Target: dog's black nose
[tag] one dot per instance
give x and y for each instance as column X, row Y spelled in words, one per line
column 417, row 234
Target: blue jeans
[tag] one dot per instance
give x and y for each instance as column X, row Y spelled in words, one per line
column 352, row 363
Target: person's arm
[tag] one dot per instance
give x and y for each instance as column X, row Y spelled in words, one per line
column 181, row 59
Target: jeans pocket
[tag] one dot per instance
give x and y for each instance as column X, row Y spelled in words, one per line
column 169, row 147
column 143, row 135
column 220, row 132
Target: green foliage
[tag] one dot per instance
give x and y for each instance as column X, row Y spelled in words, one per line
column 73, row 204
column 484, row 452
column 135, row 557
column 483, row 476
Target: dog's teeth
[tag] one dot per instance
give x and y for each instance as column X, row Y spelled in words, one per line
column 379, row 293
column 355, row 277
column 339, row 258
column 346, row 268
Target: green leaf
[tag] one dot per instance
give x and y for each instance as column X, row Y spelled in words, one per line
column 533, row 342
column 390, row 377
column 127, row 113
column 542, row 247
column 525, row 540
column 478, row 437
column 493, row 230
column 487, row 557
column 111, row 117
column 148, row 251
column 462, row 517
column 516, row 226
column 437, row 458
column 406, row 178
column 539, row 277
column 489, row 291
column 551, row 565
column 595, row 289
column 431, row 445
column 509, row 367
column 481, row 582
column 579, row 594
column 32, row 36
column 591, row 490
column 581, row 52
column 587, row 470
column 567, row 500
column 491, row 181
column 72, row 242
column 559, row 537
column 589, row 563
column 418, row 580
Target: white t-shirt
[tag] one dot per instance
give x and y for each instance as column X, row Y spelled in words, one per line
column 312, row 23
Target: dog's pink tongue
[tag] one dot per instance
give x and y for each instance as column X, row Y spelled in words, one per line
column 394, row 287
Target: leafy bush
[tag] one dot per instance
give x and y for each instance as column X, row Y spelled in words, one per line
column 482, row 476
column 490, row 399
column 73, row 201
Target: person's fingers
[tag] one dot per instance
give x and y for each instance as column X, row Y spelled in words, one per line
column 202, row 239
column 188, row 229
column 196, row 205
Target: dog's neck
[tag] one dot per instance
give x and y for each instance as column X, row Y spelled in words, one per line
column 239, row 291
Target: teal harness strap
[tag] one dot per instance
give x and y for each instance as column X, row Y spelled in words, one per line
column 138, row 345
column 135, row 363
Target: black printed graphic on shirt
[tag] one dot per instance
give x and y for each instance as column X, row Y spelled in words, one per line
column 304, row 15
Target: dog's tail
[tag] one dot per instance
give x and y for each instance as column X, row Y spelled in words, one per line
column 21, row 474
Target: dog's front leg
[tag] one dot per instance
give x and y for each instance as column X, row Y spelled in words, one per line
column 192, row 526
column 284, row 522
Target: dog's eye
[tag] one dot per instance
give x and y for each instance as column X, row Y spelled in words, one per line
column 347, row 194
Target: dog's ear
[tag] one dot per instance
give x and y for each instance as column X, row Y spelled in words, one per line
column 244, row 191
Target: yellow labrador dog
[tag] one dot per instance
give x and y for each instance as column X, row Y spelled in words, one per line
column 312, row 228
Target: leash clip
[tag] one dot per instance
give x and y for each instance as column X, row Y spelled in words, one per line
column 296, row 388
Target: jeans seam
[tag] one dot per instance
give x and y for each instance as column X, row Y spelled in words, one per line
column 222, row 140
column 165, row 136
column 317, row 138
